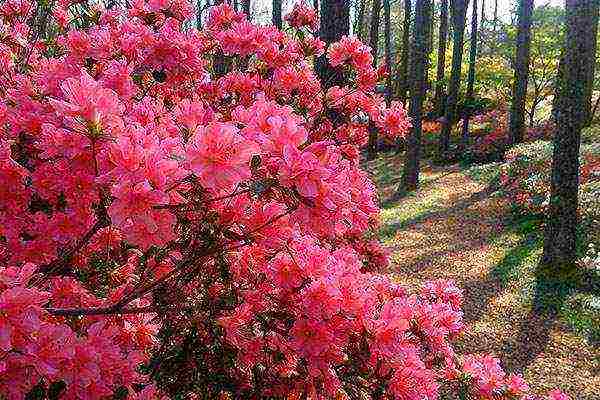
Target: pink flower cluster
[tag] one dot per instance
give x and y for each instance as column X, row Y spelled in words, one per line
column 303, row 16
column 183, row 213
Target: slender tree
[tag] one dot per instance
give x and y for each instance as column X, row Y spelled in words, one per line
column 418, row 78
column 374, row 43
column 374, row 31
column 458, row 9
column 470, row 78
column 441, row 59
column 388, row 49
column 246, row 7
column 335, row 23
column 316, row 7
column 482, row 13
column 517, row 112
column 559, row 255
column 403, row 82
column 199, row 14
column 277, row 13
column 360, row 20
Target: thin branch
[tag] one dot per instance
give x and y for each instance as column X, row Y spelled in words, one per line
column 75, row 312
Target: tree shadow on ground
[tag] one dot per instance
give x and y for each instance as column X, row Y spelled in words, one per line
column 458, row 207
column 533, row 332
column 399, row 193
column 550, row 293
column 479, row 293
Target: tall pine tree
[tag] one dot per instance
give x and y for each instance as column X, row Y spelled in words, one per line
column 517, row 112
column 440, row 99
column 470, row 79
column 418, row 78
column 335, row 23
column 559, row 255
column 458, row 11
column 374, row 43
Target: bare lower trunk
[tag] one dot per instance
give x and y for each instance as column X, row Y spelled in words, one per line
column 335, row 23
column 470, row 80
column 277, row 13
column 418, row 77
column 459, row 12
column 360, row 20
column 517, row 114
column 590, row 58
column 388, row 50
column 560, row 237
column 441, row 62
column 374, row 42
column 246, row 8
column 403, row 70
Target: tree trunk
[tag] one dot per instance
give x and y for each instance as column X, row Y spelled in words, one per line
column 459, row 13
column 374, row 43
column 418, row 78
column 246, row 8
column 317, row 11
column 590, row 59
column 441, row 62
column 482, row 13
column 360, row 20
column 559, row 256
column 335, row 23
column 277, row 13
column 199, row 15
column 403, row 70
column 517, row 112
column 374, row 31
column 470, row 80
column 388, row 50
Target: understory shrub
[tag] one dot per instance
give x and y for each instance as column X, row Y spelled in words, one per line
column 525, row 180
column 490, row 136
column 183, row 215
column 590, row 134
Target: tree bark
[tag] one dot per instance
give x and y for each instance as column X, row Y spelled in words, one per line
column 199, row 15
column 559, row 255
column 458, row 10
column 517, row 112
column 374, row 43
column 590, row 57
column 482, row 13
column 388, row 50
column 277, row 13
column 403, row 70
column 418, row 76
column 470, row 80
column 335, row 23
column 360, row 20
column 441, row 62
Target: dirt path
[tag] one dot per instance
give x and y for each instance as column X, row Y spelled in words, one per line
column 454, row 228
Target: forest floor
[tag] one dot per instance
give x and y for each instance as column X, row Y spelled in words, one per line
column 456, row 227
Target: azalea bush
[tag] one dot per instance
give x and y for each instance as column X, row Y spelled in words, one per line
column 490, row 134
column 182, row 213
